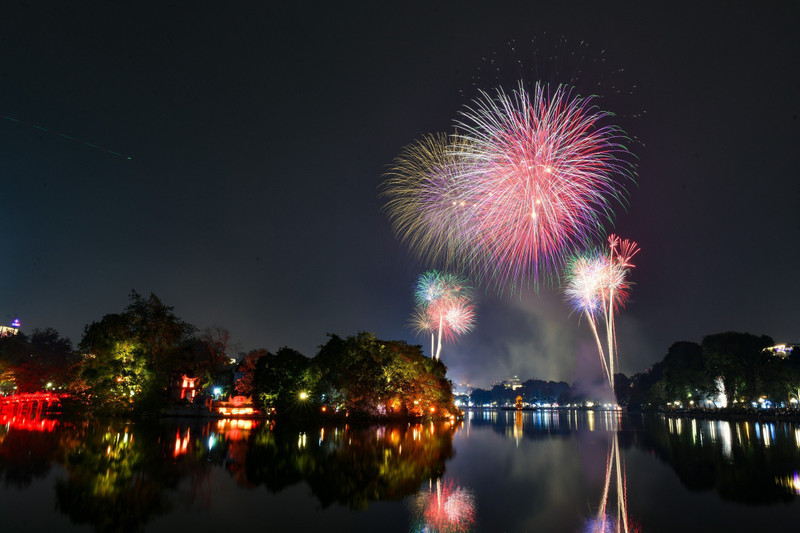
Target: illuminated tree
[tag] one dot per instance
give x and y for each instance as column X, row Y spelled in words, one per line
column 130, row 357
column 244, row 385
column 368, row 376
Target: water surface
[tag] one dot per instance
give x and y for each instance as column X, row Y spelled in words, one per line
column 496, row 471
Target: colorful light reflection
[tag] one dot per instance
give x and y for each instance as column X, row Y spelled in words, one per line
column 450, row 508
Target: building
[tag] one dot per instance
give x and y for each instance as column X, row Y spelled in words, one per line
column 13, row 329
column 781, row 350
column 512, row 383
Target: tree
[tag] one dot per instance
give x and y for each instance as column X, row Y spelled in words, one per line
column 247, row 370
column 211, row 356
column 364, row 375
column 736, row 359
column 130, row 357
column 279, row 379
column 686, row 374
column 29, row 364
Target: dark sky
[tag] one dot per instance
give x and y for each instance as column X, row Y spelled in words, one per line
column 259, row 135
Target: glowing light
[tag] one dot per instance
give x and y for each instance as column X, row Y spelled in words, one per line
column 596, row 284
column 449, row 508
column 303, row 395
column 537, row 171
column 444, row 307
column 790, row 482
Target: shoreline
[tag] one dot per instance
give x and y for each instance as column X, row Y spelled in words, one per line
column 736, row 415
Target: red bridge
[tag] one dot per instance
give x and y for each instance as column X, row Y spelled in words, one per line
column 33, row 404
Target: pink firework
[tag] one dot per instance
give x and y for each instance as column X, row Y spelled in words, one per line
column 542, row 172
column 449, row 509
column 457, row 315
column 596, row 283
column 444, row 306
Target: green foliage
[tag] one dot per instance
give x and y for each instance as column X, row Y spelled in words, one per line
column 279, row 380
column 130, row 357
column 685, row 373
column 367, row 376
column 531, row 391
column 359, row 375
column 737, row 358
column 689, row 373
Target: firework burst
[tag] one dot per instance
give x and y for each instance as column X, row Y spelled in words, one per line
column 444, row 307
column 527, row 179
column 426, row 203
column 596, row 284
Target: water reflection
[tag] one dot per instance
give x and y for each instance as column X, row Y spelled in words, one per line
column 447, row 509
column 26, row 447
column 614, row 495
column 120, row 475
column 747, row 462
column 545, row 470
column 351, row 466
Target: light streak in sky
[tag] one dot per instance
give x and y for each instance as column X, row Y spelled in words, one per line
column 64, row 135
column 596, row 284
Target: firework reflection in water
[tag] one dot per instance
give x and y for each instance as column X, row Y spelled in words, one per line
column 444, row 508
column 606, row 521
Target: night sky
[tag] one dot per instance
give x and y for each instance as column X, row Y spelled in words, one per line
column 240, row 150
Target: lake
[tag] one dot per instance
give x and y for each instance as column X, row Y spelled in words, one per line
column 572, row 471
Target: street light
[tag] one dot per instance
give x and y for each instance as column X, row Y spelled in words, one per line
column 303, row 395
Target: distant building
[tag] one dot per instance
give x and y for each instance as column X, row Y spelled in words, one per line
column 781, row 350
column 511, row 383
column 13, row 329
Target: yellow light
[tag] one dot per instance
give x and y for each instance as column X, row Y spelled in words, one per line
column 303, row 395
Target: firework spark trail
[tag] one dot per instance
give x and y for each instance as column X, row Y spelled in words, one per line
column 444, row 307
column 596, row 284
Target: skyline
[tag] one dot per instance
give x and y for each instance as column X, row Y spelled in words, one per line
column 259, row 137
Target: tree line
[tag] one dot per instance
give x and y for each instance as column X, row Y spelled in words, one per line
column 130, row 362
column 731, row 369
column 725, row 369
